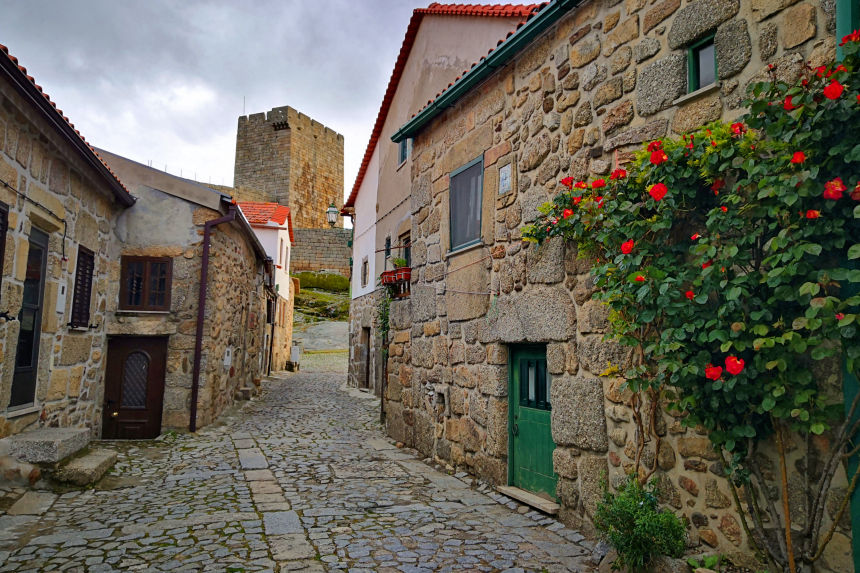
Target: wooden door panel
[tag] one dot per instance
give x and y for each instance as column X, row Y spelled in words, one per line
column 134, row 387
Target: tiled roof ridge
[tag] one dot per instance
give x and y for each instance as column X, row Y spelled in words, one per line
column 32, row 80
column 486, row 10
column 262, row 212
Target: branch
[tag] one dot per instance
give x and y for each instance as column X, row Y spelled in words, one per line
column 770, row 506
column 783, row 476
column 844, row 504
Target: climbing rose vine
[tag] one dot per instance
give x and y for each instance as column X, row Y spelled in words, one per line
column 728, row 258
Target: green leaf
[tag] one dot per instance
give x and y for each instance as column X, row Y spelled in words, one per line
column 812, row 249
column 817, row 428
column 768, row 403
column 854, row 251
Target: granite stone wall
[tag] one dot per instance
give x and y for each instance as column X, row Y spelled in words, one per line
column 70, row 371
column 365, row 345
column 578, row 101
column 321, row 250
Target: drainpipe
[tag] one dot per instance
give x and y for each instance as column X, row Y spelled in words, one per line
column 201, row 311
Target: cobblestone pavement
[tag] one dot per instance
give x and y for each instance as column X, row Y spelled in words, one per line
column 300, row 479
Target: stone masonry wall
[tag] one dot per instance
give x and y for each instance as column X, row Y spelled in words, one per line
column 71, row 362
column 283, row 335
column 604, row 79
column 290, row 159
column 321, row 250
column 363, row 313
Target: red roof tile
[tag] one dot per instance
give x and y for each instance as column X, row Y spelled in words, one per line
column 483, row 10
column 260, row 214
column 123, row 195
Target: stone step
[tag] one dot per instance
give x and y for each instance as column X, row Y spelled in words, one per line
column 48, row 445
column 530, row 499
column 86, row 469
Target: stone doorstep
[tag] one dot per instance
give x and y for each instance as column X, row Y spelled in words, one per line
column 48, row 445
column 32, row 503
column 87, row 469
column 529, row 499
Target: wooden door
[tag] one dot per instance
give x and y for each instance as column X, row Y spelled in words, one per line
column 134, row 387
column 530, row 435
column 364, row 381
column 30, row 319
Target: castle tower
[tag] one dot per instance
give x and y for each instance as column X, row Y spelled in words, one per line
column 288, row 158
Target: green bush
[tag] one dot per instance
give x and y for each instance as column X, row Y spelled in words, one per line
column 325, row 281
column 631, row 523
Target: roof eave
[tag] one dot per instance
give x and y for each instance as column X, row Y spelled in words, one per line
column 496, row 59
column 39, row 100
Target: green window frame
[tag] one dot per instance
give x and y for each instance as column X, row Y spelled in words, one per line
column 404, row 147
column 465, row 198
column 697, row 55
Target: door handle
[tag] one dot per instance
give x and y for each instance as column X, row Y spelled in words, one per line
column 516, row 430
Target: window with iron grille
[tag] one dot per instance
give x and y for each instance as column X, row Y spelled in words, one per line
column 82, row 294
column 145, row 283
column 4, row 223
column 387, row 247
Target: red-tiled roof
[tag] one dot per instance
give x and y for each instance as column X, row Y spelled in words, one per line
column 484, row 10
column 117, row 186
column 260, row 214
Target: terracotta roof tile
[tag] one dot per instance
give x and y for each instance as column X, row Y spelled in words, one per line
column 483, row 10
column 128, row 197
column 258, row 213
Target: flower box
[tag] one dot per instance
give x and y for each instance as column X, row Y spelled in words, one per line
column 404, row 274
column 388, row 277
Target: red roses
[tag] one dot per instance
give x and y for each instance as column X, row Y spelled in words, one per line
column 833, row 189
column 813, row 214
column 713, row 372
column 658, row 191
column 833, row 90
column 627, row 246
column 798, row 157
column 734, row 366
column 618, row 174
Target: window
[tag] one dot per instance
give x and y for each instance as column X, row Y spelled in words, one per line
column 406, row 248
column 534, row 385
column 145, row 283
column 702, row 64
column 387, row 247
column 83, row 288
column 281, row 253
column 4, row 224
column 364, row 272
column 404, row 149
column 465, row 203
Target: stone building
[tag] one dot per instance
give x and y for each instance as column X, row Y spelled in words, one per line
column 576, row 90
column 200, row 358
column 58, row 206
column 272, row 223
column 440, row 42
column 285, row 157
column 322, row 250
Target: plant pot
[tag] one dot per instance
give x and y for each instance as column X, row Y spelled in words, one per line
column 404, row 274
column 388, row 277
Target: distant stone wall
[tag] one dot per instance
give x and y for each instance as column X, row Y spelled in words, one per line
column 321, row 250
column 291, row 159
column 366, row 346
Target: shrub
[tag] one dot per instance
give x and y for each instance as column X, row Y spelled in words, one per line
column 326, row 281
column 632, row 524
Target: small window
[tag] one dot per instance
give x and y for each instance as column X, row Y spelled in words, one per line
column 83, row 288
column 702, row 64
column 534, row 385
column 281, row 253
column 364, row 272
column 465, row 203
column 145, row 283
column 404, row 149
column 387, row 247
column 4, row 225
column 406, row 248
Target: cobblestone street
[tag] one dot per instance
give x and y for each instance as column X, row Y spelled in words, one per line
column 301, row 478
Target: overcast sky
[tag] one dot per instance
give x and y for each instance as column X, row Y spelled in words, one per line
column 164, row 81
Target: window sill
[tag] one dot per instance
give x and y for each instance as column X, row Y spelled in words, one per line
column 79, row 329
column 465, row 249
column 401, row 164
column 133, row 312
column 18, row 411
column 697, row 94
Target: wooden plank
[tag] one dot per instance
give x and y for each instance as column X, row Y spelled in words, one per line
column 529, row 499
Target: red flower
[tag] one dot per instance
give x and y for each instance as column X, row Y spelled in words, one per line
column 718, row 184
column 627, row 246
column 581, row 185
column 833, row 90
column 618, row 174
column 820, row 71
column 567, row 182
column 599, row 200
column 787, row 105
column 658, row 156
column 658, row 191
column 713, row 372
column 598, row 183
column 858, row 98
column 798, row 157
column 852, row 37
column 856, row 193
column 706, row 264
column 738, row 128
column 655, row 145
column 734, row 365
column 813, row 214
column 567, row 213
column 834, row 189
column 695, row 236
column 839, row 316
column 577, row 200
column 690, row 295
column 639, row 279
column 723, row 208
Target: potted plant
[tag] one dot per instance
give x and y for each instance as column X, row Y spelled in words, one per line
column 403, row 272
column 388, row 277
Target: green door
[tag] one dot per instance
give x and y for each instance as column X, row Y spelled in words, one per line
column 529, row 436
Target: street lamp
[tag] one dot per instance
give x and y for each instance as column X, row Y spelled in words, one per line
column 331, row 215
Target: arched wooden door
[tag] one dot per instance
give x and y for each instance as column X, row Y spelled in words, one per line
column 134, row 387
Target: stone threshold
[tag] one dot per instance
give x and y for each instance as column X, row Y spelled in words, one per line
column 529, row 499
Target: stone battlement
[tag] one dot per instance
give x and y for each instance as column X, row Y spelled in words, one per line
column 294, row 119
